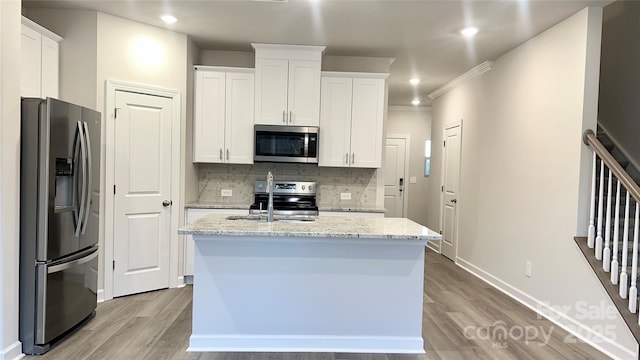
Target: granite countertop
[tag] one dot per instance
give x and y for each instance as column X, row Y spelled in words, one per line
column 322, row 227
column 212, row 205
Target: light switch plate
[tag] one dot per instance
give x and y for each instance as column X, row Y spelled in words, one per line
column 226, row 192
column 413, row 180
column 345, row 196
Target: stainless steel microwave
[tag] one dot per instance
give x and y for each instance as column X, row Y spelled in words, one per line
column 292, row 144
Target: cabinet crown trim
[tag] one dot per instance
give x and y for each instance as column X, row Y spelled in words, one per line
column 41, row 29
column 289, row 52
column 365, row 75
column 224, row 69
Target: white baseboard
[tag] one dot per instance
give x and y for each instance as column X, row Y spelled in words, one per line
column 574, row 327
column 13, row 352
column 100, row 295
column 304, row 343
column 432, row 246
column 181, row 282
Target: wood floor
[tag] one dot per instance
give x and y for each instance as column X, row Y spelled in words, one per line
column 459, row 318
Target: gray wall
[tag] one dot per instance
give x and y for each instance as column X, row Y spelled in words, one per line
column 525, row 174
column 415, row 122
column 619, row 108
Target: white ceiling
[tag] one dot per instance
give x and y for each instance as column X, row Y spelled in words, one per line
column 422, row 35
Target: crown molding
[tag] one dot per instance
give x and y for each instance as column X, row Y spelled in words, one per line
column 476, row 71
column 410, row 108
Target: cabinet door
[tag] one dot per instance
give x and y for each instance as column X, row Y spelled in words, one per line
column 335, row 122
column 49, row 68
column 31, row 61
column 239, row 118
column 271, row 91
column 304, row 93
column 209, row 117
column 366, row 122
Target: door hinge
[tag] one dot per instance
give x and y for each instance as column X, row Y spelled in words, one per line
column 440, row 232
column 114, row 189
column 115, row 112
column 114, row 264
column 444, row 143
column 442, row 188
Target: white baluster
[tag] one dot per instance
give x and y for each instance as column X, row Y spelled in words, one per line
column 633, row 290
column 591, row 237
column 606, row 255
column 625, row 249
column 600, row 206
column 616, row 238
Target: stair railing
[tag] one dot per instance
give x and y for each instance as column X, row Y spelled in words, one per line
column 615, row 259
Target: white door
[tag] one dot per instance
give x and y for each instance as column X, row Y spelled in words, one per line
column 450, row 185
column 394, row 177
column 209, row 116
column 30, row 66
column 335, row 122
column 239, row 118
column 367, row 112
column 271, row 91
column 142, row 177
column 304, row 93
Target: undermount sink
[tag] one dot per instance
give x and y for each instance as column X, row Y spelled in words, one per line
column 279, row 218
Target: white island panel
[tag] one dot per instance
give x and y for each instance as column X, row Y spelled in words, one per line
column 296, row 294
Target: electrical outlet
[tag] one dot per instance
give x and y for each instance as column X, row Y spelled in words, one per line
column 226, row 192
column 413, row 180
column 527, row 268
column 345, row 196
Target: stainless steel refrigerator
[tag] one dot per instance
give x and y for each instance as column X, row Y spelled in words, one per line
column 59, row 220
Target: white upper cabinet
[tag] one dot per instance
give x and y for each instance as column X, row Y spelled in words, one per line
column 287, row 87
column 351, row 119
column 223, row 115
column 39, row 69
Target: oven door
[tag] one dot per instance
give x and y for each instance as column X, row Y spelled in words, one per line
column 295, row 144
column 66, row 294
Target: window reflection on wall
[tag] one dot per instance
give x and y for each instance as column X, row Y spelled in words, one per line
column 427, row 157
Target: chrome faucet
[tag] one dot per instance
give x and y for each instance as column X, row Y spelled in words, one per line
column 270, row 191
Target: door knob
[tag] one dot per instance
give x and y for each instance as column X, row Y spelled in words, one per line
column 454, row 200
column 167, row 203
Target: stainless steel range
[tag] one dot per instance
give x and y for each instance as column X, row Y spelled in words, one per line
column 289, row 198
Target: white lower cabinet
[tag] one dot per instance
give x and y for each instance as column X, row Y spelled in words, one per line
column 351, row 119
column 192, row 215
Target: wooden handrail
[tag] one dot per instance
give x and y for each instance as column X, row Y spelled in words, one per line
column 590, row 139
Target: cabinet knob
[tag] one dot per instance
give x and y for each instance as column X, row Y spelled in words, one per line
column 284, row 117
column 167, row 203
column 290, row 116
column 220, row 153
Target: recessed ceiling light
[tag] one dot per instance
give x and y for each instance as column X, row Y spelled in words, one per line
column 469, row 31
column 169, row 19
column 414, row 81
column 415, row 101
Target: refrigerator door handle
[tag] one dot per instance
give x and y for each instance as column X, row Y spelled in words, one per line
column 83, row 153
column 89, row 179
column 72, row 263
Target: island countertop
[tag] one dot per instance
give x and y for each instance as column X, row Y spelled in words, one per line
column 322, row 227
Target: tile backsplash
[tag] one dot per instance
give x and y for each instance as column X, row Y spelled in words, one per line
column 361, row 183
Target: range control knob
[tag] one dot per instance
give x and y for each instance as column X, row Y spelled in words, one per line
column 310, row 187
column 302, row 187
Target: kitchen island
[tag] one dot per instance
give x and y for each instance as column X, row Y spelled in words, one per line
column 346, row 284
